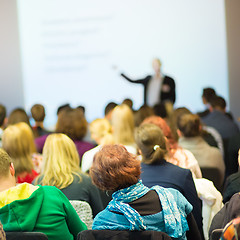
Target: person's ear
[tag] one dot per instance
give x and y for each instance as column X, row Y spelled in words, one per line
column 12, row 169
column 179, row 133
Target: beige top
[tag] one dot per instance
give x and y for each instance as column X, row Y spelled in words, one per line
column 206, row 155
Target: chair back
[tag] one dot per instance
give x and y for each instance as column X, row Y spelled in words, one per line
column 84, row 212
column 122, row 235
column 216, row 234
column 26, row 236
column 214, row 175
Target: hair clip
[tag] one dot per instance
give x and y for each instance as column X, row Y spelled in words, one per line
column 156, row 147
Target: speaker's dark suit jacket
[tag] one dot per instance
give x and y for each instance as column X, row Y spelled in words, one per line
column 163, row 96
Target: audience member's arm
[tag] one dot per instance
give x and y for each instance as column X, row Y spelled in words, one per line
column 142, row 81
column 217, row 221
column 96, row 201
column 75, row 225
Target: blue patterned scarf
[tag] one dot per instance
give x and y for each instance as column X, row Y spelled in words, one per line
column 174, row 219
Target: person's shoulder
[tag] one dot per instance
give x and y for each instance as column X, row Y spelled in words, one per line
column 235, row 177
column 168, row 78
column 177, row 168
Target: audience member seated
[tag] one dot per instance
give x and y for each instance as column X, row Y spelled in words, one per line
column 232, row 230
column 175, row 154
column 207, row 156
column 230, row 211
column 38, row 114
column 18, row 115
column 3, row 121
column 31, row 208
column 18, row 142
column 72, row 123
column 123, row 127
column 101, row 133
column 160, row 110
column 219, row 120
column 142, row 113
column 207, row 94
column 135, row 206
column 209, row 134
column 157, row 171
column 61, row 169
column 128, row 102
column 108, row 110
column 232, row 184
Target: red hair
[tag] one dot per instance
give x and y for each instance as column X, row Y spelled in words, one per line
column 114, row 168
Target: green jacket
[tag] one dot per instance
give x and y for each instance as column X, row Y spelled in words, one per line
column 46, row 209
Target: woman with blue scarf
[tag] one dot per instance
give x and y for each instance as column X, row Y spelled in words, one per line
column 135, row 206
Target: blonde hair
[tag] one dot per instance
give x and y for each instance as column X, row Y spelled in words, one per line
column 60, row 161
column 101, row 130
column 123, row 125
column 18, row 142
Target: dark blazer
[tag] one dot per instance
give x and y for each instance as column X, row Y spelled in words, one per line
column 230, row 211
column 171, row 176
column 163, row 96
column 232, row 186
column 222, row 123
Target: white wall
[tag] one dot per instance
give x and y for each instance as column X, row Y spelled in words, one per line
column 11, row 89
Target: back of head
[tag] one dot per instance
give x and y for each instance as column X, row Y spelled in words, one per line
column 150, row 140
column 18, row 115
column 144, row 112
column 160, row 110
column 5, row 162
column 38, row 112
column 114, row 168
column 2, row 114
column 18, row 142
column 123, row 125
column 128, row 102
column 110, row 106
column 208, row 93
column 72, row 123
column 189, row 125
column 63, row 107
column 60, row 161
column 218, row 102
column 162, row 124
column 101, row 131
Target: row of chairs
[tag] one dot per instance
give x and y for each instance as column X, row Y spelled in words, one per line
column 105, row 234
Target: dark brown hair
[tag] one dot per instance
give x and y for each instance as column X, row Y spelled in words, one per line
column 189, row 125
column 143, row 112
column 151, row 142
column 18, row 115
column 38, row 112
column 114, row 168
column 2, row 114
column 72, row 123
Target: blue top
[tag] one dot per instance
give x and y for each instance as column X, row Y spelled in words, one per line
column 222, row 123
column 171, row 220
